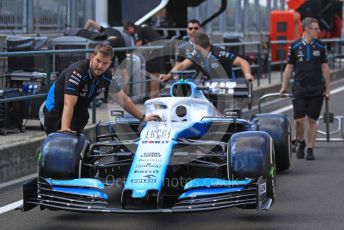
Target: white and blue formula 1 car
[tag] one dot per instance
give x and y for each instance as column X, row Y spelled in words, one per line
column 194, row 159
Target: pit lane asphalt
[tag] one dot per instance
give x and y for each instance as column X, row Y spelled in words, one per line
column 309, row 196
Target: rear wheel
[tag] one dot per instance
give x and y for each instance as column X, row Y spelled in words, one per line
column 279, row 128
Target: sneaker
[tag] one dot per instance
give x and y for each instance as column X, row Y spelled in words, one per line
column 300, row 149
column 310, row 155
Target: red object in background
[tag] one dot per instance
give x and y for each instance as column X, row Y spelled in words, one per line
column 284, row 25
column 295, row 4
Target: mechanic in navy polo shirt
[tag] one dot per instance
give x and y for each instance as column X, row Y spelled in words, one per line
column 308, row 57
column 212, row 61
column 67, row 103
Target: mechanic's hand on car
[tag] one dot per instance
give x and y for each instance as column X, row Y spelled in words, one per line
column 66, row 130
column 165, row 77
column 152, row 117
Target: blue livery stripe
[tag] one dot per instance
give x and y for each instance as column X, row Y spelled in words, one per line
column 82, row 182
column 208, row 191
column 207, row 66
column 82, row 192
column 189, row 56
column 107, row 79
column 319, row 45
column 91, row 90
column 308, row 53
column 70, row 88
column 51, row 98
column 192, row 129
column 296, row 45
column 184, row 44
column 94, row 85
column 233, row 76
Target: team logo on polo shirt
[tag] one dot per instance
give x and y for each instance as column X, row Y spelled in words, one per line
column 101, row 90
column 215, row 65
column 300, row 54
column 83, row 91
column 316, row 53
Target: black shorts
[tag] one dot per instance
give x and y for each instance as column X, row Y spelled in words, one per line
column 155, row 65
column 52, row 121
column 307, row 101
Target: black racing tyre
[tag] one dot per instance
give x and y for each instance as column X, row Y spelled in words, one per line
column 61, row 155
column 279, row 128
column 251, row 155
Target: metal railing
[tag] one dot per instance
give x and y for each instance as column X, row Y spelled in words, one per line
column 37, row 16
column 48, row 68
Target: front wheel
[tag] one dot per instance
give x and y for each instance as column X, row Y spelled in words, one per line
column 251, row 155
column 62, row 155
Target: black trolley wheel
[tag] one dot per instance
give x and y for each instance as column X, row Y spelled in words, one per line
column 3, row 131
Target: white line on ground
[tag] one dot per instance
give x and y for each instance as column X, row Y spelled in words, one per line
column 17, row 181
column 11, row 206
column 289, row 107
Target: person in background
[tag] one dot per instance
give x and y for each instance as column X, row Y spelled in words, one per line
column 144, row 35
column 212, row 61
column 308, row 57
column 185, row 48
column 116, row 40
column 67, row 102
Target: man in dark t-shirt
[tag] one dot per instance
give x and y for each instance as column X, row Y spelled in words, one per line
column 144, row 35
column 67, row 103
column 308, row 57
